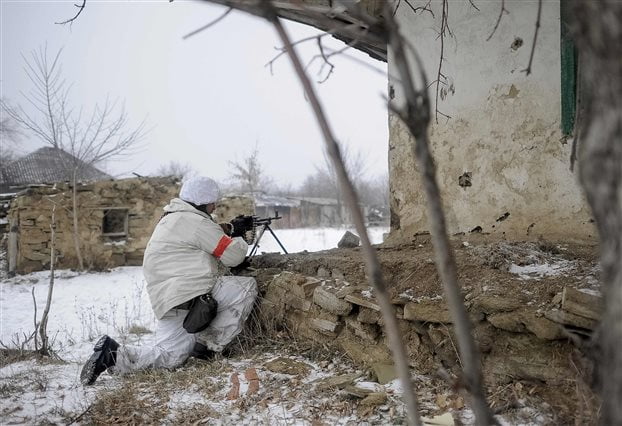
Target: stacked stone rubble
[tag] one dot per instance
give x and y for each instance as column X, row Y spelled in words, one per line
column 517, row 341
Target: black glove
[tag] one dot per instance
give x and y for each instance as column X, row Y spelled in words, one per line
column 242, row 224
column 244, row 265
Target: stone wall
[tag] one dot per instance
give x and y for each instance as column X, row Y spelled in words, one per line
column 518, row 340
column 138, row 200
column 135, row 205
column 503, row 164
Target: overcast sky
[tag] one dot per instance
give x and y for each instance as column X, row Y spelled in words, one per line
column 208, row 99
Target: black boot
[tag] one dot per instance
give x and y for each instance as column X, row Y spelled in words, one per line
column 200, row 351
column 104, row 356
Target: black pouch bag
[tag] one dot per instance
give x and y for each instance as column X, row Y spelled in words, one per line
column 201, row 313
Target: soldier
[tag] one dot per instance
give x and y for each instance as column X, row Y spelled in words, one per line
column 183, row 264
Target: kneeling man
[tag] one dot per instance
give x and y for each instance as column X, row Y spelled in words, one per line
column 184, row 261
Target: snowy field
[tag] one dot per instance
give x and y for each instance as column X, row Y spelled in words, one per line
column 87, row 305
column 313, row 239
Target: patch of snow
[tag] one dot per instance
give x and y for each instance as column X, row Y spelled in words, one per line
column 537, row 271
column 185, row 398
column 313, row 239
column 35, row 392
column 428, row 298
column 590, row 291
column 370, row 386
column 366, row 294
column 115, row 243
column 84, row 306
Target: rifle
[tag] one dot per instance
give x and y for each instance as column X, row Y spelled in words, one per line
column 245, row 226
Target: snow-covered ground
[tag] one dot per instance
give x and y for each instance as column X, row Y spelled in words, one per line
column 87, row 305
column 313, row 239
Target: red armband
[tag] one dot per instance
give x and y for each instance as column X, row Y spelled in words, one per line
column 222, row 246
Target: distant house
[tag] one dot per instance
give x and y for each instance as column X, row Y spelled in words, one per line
column 318, row 211
column 299, row 212
column 43, row 166
column 287, row 208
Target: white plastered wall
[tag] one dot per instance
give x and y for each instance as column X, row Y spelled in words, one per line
column 504, row 128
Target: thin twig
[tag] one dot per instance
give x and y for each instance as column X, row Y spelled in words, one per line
column 473, row 5
column 371, row 260
column 82, row 414
column 503, row 9
column 283, row 51
column 34, row 302
column 80, row 9
column 444, row 28
column 535, row 38
column 397, row 6
column 206, row 26
column 421, row 9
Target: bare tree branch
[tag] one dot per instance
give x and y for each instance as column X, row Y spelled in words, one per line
column 420, row 9
column 473, row 5
column 373, row 265
column 45, row 348
column 416, row 116
column 214, row 22
column 535, row 38
column 335, row 20
column 503, row 9
column 444, row 29
column 283, row 51
column 70, row 20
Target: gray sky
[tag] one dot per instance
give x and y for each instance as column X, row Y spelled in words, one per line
column 208, row 99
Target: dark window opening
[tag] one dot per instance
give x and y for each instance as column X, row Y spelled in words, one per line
column 114, row 223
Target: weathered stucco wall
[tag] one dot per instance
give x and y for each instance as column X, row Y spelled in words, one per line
column 504, row 129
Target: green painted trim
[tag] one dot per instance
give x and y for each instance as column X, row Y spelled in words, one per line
column 568, row 54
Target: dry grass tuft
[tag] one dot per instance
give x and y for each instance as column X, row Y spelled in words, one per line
column 145, row 396
column 138, row 330
column 129, row 404
column 10, row 356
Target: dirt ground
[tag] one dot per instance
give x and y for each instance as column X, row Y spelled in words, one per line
column 530, row 273
column 481, row 266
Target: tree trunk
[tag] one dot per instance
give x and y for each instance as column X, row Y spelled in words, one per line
column 74, row 212
column 597, row 27
column 45, row 349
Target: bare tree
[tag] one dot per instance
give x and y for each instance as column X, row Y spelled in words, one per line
column 248, row 174
column 9, row 137
column 89, row 137
column 42, row 328
column 9, row 130
column 324, row 182
column 176, row 169
column 374, row 191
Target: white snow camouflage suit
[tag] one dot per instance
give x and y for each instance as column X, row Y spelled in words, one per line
column 181, row 262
